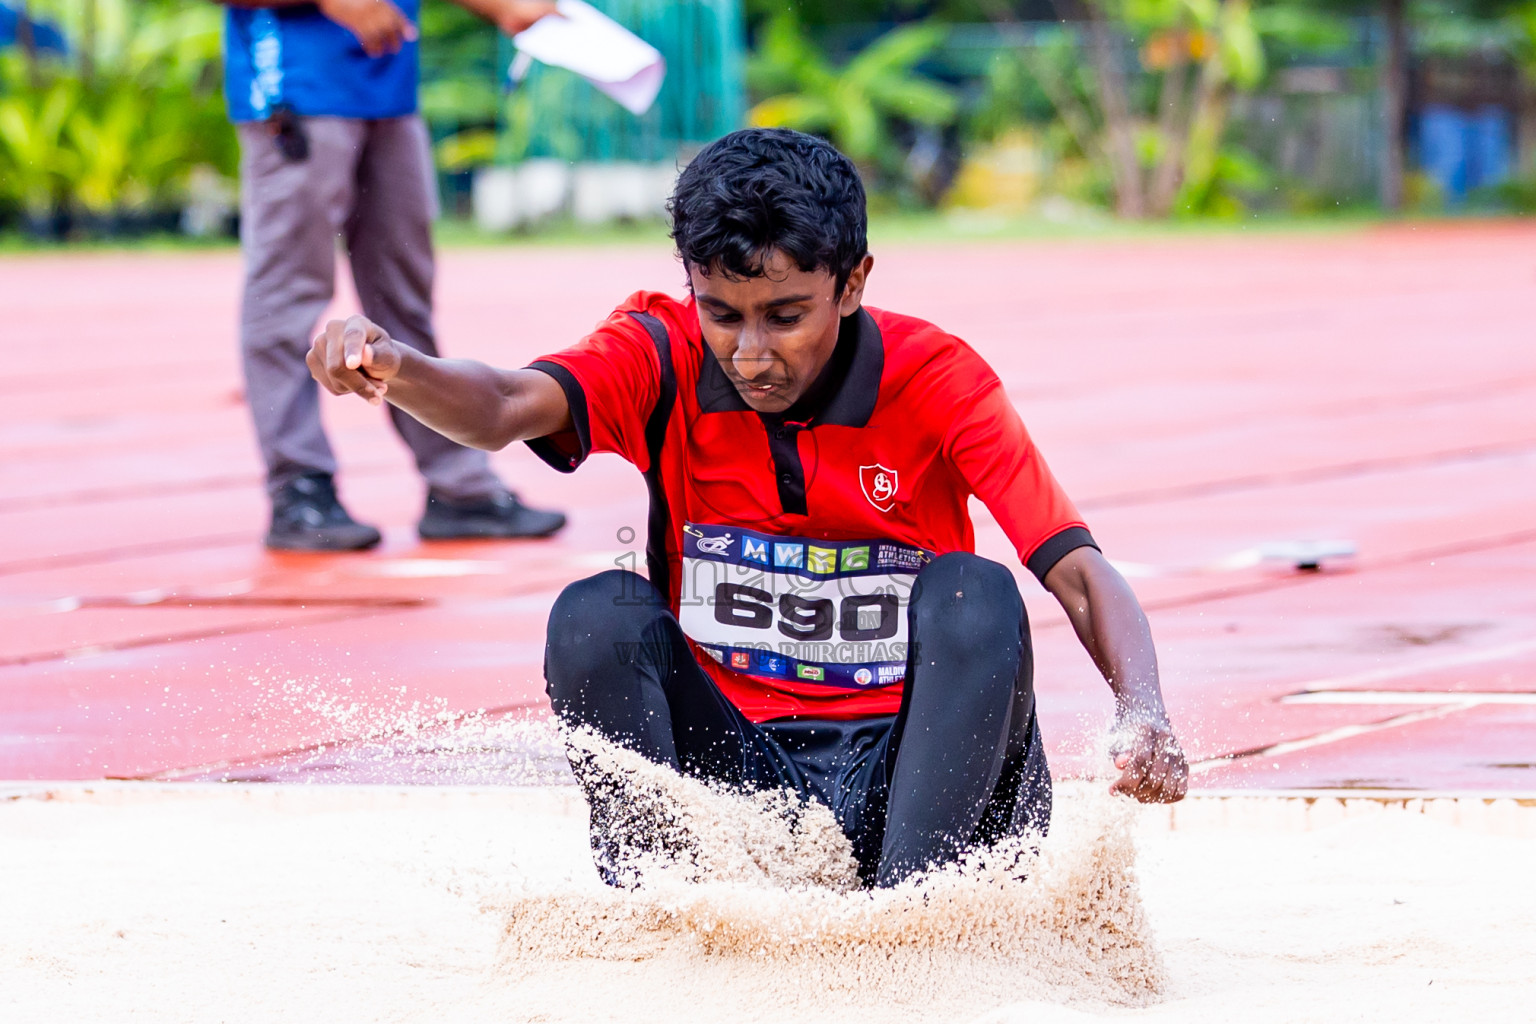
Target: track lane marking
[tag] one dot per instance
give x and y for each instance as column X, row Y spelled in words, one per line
column 1337, row 690
column 1328, row 736
column 1469, row 698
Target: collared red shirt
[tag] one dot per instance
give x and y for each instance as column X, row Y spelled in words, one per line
column 788, row 544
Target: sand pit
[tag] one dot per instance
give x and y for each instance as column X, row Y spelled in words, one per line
column 256, row 903
column 764, row 903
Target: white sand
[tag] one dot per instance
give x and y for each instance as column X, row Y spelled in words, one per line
column 260, row 903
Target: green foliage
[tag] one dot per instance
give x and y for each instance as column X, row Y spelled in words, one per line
column 1518, row 196
column 821, row 13
column 1226, row 189
column 860, row 106
column 116, row 127
column 1288, row 26
column 460, row 67
column 1242, row 54
column 513, row 140
column 1010, row 98
column 33, row 160
column 1153, row 127
column 1521, row 25
column 1456, row 29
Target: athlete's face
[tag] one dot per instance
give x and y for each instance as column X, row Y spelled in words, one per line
column 773, row 334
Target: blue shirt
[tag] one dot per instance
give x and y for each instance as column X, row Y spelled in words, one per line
column 296, row 56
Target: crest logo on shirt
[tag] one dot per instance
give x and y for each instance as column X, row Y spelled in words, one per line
column 741, row 660
column 879, row 486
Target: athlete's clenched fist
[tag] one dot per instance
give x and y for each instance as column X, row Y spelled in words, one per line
column 354, row 356
column 1150, row 761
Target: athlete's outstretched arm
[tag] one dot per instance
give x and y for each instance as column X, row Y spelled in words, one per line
column 472, row 403
column 1111, row 625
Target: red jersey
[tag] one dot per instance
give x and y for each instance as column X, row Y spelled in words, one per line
column 788, row 544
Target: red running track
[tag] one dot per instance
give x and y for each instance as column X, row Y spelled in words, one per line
column 1201, row 398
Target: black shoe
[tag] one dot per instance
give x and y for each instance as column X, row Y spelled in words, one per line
column 501, row 515
column 307, row 517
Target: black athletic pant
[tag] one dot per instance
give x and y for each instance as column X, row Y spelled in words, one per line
column 961, row 763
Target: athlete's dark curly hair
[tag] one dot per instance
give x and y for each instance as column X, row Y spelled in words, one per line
column 761, row 189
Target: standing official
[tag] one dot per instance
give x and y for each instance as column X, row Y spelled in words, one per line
column 323, row 96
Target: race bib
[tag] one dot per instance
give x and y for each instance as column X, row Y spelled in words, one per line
column 832, row 613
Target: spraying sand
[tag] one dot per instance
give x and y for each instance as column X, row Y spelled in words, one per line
column 257, row 903
column 765, row 905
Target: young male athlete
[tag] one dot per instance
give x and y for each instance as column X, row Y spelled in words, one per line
column 815, row 617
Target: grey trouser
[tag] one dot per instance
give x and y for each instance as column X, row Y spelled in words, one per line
column 370, row 184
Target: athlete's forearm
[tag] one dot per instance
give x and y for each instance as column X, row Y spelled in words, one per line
column 475, row 404
column 1113, row 629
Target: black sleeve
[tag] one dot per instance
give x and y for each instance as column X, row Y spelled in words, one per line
column 566, row 451
column 1057, row 547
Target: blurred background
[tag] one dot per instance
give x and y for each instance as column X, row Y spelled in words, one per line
column 989, row 112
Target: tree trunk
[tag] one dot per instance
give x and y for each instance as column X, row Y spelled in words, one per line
column 1114, row 98
column 27, row 40
column 1208, row 123
column 88, row 42
column 1394, row 105
column 1175, row 107
column 1073, row 114
column 1525, row 132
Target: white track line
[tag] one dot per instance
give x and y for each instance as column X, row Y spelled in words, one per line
column 1337, row 690
column 1329, row 736
column 1469, row 698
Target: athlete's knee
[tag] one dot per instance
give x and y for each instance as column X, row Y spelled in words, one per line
column 597, row 630
column 612, row 604
column 968, row 633
column 969, row 599
column 604, row 601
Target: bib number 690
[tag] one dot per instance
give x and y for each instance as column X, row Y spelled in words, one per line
column 859, row 618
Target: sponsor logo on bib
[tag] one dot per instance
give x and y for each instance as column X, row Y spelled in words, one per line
column 822, row 560
column 789, row 556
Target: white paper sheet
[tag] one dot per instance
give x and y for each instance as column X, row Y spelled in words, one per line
column 599, row 49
